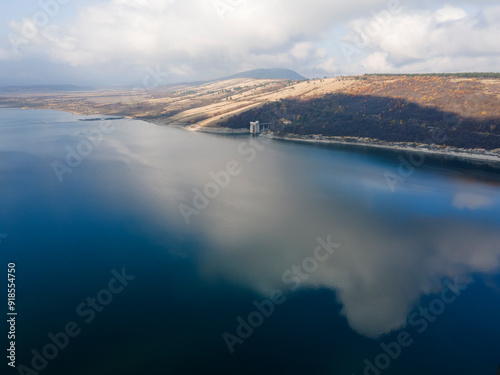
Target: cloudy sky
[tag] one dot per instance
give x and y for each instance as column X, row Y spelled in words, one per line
column 120, row 42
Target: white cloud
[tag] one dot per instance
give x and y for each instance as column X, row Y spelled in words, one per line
column 301, row 50
column 330, row 66
column 448, row 39
column 377, row 62
column 449, row 13
column 124, row 34
column 117, row 39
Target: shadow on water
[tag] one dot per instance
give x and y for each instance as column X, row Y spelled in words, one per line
column 467, row 169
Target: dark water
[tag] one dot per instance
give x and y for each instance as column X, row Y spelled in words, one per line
column 409, row 262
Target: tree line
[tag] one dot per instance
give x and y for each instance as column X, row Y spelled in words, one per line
column 375, row 117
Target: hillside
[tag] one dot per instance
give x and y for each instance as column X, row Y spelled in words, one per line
column 398, row 108
column 200, row 106
column 459, row 112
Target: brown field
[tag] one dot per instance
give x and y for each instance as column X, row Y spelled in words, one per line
column 207, row 104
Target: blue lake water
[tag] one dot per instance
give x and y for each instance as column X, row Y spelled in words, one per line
column 293, row 259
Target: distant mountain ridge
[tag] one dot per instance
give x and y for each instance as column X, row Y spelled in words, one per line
column 41, row 88
column 276, row 73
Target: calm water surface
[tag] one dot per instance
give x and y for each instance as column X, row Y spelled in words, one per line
column 306, row 261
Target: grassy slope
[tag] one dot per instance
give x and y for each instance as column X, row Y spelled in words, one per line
column 386, row 107
column 461, row 112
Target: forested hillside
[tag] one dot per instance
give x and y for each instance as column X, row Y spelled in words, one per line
column 422, row 109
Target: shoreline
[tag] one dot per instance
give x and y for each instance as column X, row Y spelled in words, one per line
column 212, row 130
column 491, row 158
column 191, row 127
column 482, row 156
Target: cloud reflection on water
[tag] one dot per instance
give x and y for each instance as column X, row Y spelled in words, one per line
column 395, row 248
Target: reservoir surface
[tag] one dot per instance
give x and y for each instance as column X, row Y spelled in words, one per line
column 142, row 249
